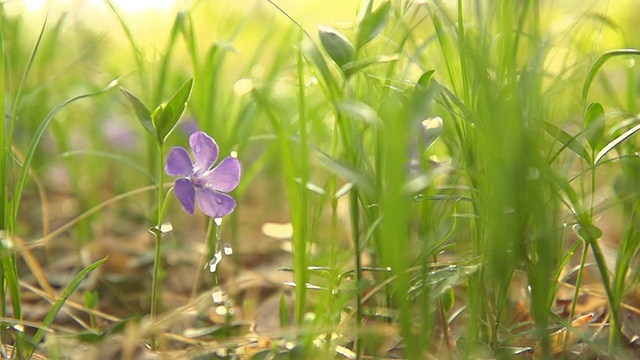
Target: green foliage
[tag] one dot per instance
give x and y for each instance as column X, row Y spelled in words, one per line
column 165, row 116
column 336, row 45
column 373, row 23
column 594, row 125
column 440, row 164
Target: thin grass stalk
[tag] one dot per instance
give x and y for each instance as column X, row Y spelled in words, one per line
column 144, row 84
column 4, row 145
column 576, row 293
column 57, row 306
column 293, row 189
column 166, row 59
column 354, row 215
column 302, row 236
column 394, row 207
column 5, row 153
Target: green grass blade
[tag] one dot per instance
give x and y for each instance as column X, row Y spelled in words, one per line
column 595, row 68
column 35, row 140
column 25, row 75
column 108, row 155
column 372, row 24
column 132, row 43
column 57, row 306
column 567, row 141
column 617, row 141
column 4, row 144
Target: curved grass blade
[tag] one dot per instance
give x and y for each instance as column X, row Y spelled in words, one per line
column 566, row 140
column 132, row 42
column 22, row 177
column 70, row 289
column 595, row 68
column 107, row 155
column 422, row 96
column 359, row 111
column 617, row 141
column 353, row 67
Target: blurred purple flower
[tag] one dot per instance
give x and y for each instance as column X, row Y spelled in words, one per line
column 189, row 126
column 198, row 181
column 119, row 135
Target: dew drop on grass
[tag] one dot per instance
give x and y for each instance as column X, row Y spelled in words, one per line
column 227, row 249
column 218, row 221
column 213, row 264
column 5, row 241
column 221, row 310
column 166, row 227
column 630, row 63
column 218, row 295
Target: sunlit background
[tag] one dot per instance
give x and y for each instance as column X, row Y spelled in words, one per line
column 127, row 5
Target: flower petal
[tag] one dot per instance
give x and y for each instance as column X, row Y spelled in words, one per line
column 178, row 162
column 215, row 204
column 205, row 151
column 186, row 193
column 224, row 177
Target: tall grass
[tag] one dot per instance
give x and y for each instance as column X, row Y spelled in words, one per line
column 442, row 164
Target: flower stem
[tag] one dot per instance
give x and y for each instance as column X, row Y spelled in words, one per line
column 155, row 282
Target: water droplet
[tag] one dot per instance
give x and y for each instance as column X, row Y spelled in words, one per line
column 218, row 295
column 166, row 227
column 218, row 221
column 630, row 63
column 388, row 268
column 221, row 310
column 5, row 241
column 213, row 264
column 234, row 154
column 226, row 248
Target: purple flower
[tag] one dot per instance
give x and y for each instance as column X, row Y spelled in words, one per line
column 197, row 180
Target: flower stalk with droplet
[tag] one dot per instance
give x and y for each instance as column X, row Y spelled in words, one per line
column 159, row 124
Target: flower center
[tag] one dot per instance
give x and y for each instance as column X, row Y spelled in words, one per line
column 197, row 181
